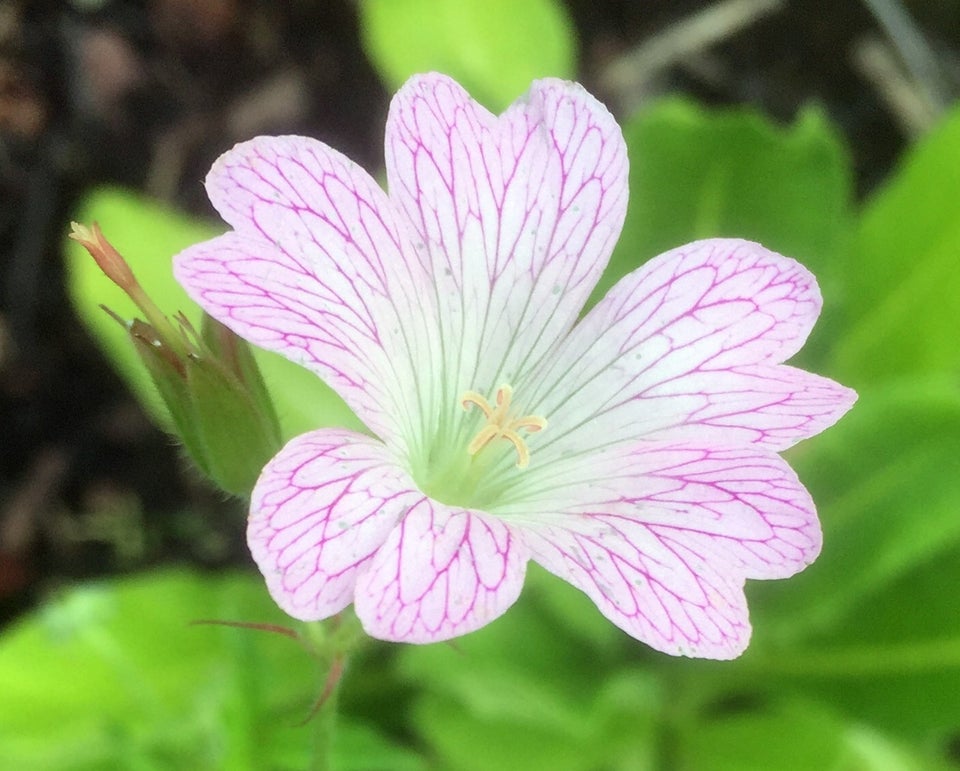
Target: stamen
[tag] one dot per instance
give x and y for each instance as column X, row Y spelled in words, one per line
column 501, row 425
column 472, row 397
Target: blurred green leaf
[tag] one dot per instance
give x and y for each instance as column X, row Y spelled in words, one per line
column 108, row 673
column 467, row 741
column 904, row 270
column 790, row 735
column 494, row 48
column 892, row 662
column 696, row 174
column 148, row 236
column 895, row 660
column 524, row 693
column 566, row 607
column 487, row 713
column 358, row 747
column 113, row 675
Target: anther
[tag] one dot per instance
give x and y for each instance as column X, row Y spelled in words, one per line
column 501, row 425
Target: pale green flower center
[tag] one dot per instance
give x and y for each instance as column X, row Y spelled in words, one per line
column 473, row 474
column 501, row 424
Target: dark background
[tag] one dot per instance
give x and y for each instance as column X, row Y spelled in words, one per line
column 146, row 94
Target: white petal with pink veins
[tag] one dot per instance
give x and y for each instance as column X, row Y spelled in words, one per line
column 320, row 510
column 633, row 453
column 319, row 269
column 516, row 216
column 664, row 591
column 665, row 535
column 745, row 501
column 442, row 572
column 690, row 345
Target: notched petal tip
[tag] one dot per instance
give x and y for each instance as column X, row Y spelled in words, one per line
column 657, row 591
column 442, row 573
column 320, row 510
column 429, row 81
column 698, row 336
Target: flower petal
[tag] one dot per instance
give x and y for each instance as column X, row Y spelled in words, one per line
column 655, row 588
column 690, row 345
column 317, row 269
column 320, row 510
column 665, row 535
column 528, row 205
column 443, row 572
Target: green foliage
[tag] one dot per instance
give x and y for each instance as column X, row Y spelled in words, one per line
column 699, row 174
column 114, row 676
column 904, row 269
column 527, row 693
column 791, row 735
column 886, row 476
column 494, row 48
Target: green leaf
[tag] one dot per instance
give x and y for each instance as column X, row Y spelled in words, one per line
column 491, row 715
column 904, row 270
column 696, row 173
column 113, row 675
column 148, row 236
column 494, row 48
column 893, row 662
column 568, row 608
column 790, row 735
column 467, row 741
column 908, row 688
column 358, row 747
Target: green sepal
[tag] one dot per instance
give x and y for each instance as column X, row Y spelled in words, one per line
column 237, row 437
column 167, row 372
column 216, row 397
column 237, row 355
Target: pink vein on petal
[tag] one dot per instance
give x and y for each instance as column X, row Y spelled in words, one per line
column 318, row 269
column 441, row 573
column 320, row 510
column 662, row 590
column 526, row 205
column 656, row 488
column 664, row 535
column 689, row 346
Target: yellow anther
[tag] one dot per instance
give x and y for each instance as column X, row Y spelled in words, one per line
column 501, row 425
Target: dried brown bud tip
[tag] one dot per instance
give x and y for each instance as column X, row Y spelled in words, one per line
column 107, row 257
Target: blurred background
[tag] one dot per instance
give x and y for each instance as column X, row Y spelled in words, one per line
column 827, row 130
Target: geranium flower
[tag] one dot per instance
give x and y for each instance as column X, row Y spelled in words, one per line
column 632, row 453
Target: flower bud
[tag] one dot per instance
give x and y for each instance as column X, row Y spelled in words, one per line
column 232, row 409
column 209, row 381
column 107, row 257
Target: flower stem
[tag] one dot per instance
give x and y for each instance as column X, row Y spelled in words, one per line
column 333, row 641
column 325, row 724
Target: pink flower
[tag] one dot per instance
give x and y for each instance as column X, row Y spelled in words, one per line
column 632, row 453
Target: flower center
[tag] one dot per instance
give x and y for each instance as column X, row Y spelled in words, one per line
column 501, row 424
column 459, row 471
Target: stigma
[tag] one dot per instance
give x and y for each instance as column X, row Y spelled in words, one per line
column 501, row 424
